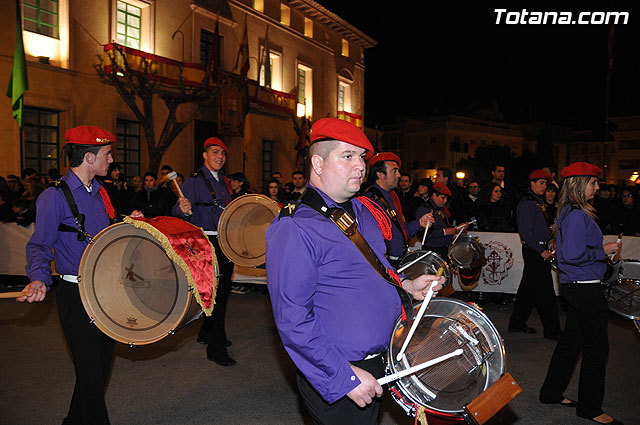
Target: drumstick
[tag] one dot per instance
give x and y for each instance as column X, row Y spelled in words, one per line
column 13, row 294
column 458, row 234
column 421, row 311
column 426, row 229
column 172, row 176
column 613, row 254
column 416, row 368
column 406, row 266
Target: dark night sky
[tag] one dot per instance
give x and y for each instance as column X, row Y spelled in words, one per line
column 452, row 58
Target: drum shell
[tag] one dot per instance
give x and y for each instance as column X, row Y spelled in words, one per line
column 441, row 315
column 467, row 252
column 427, row 265
column 131, row 289
column 622, row 288
column 242, row 228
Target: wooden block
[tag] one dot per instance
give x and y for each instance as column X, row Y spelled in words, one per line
column 487, row 404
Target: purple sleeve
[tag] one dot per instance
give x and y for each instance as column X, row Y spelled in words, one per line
column 525, row 214
column 575, row 247
column 39, row 252
column 292, row 277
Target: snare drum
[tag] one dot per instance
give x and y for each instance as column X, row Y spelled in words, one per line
column 467, row 252
column 445, row 388
column 428, row 264
column 242, row 228
column 134, row 286
column 622, row 288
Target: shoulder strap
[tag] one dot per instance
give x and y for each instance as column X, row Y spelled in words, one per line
column 349, row 227
column 79, row 218
column 377, row 196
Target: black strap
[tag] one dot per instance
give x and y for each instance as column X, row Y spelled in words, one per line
column 79, row 218
column 349, row 227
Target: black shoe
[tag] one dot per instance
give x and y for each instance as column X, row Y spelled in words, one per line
column 525, row 329
column 222, row 360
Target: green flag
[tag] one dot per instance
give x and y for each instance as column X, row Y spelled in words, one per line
column 18, row 84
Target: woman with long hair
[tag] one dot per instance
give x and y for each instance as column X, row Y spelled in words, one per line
column 494, row 215
column 581, row 266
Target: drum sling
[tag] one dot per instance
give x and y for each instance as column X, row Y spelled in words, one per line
column 114, row 216
column 211, row 190
column 377, row 196
column 349, row 227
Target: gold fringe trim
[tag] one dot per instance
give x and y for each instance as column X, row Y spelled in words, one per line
column 171, row 253
column 421, row 416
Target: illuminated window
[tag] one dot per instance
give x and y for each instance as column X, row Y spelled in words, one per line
column 41, row 16
column 344, row 96
column 305, row 91
column 345, row 48
column 128, row 153
column 285, row 15
column 258, row 5
column 41, row 139
column 129, row 25
column 308, row 27
column 275, row 71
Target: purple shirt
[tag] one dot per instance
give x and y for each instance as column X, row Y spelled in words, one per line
column 579, row 247
column 329, row 304
column 195, row 189
column 52, row 209
column 532, row 223
column 435, row 235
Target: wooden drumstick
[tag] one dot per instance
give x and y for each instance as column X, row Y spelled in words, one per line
column 613, row 254
column 172, row 176
column 416, row 368
column 421, row 311
column 13, row 294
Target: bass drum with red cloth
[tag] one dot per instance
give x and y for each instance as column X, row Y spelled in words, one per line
column 242, row 228
column 133, row 290
column 445, row 388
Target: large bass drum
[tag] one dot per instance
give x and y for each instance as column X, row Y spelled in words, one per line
column 445, row 388
column 622, row 288
column 130, row 287
column 242, row 228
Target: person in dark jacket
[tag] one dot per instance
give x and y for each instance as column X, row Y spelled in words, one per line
column 153, row 201
column 626, row 218
column 493, row 215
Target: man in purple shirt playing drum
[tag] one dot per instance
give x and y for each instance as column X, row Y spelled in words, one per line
column 334, row 312
column 89, row 152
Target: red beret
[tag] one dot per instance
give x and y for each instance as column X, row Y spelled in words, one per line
column 580, row 169
column 214, row 141
column 89, row 135
column 540, row 174
column 441, row 188
column 385, row 156
column 341, row 130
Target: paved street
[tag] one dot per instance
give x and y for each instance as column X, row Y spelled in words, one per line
column 171, row 382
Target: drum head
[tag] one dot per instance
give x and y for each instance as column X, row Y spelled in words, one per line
column 428, row 264
column 467, row 252
column 130, row 287
column 447, row 387
column 242, row 228
column 623, row 289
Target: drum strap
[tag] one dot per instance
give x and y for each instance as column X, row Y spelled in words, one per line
column 349, row 227
column 211, row 190
column 114, row 216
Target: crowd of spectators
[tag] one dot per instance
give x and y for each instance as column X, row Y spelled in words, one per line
column 491, row 203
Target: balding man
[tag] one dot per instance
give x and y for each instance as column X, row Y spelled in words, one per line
column 335, row 313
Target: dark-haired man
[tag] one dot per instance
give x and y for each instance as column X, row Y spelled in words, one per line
column 206, row 193
column 299, row 182
column 88, row 150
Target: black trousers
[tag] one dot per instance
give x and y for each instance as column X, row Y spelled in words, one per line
column 343, row 411
column 585, row 331
column 536, row 290
column 213, row 327
column 92, row 353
